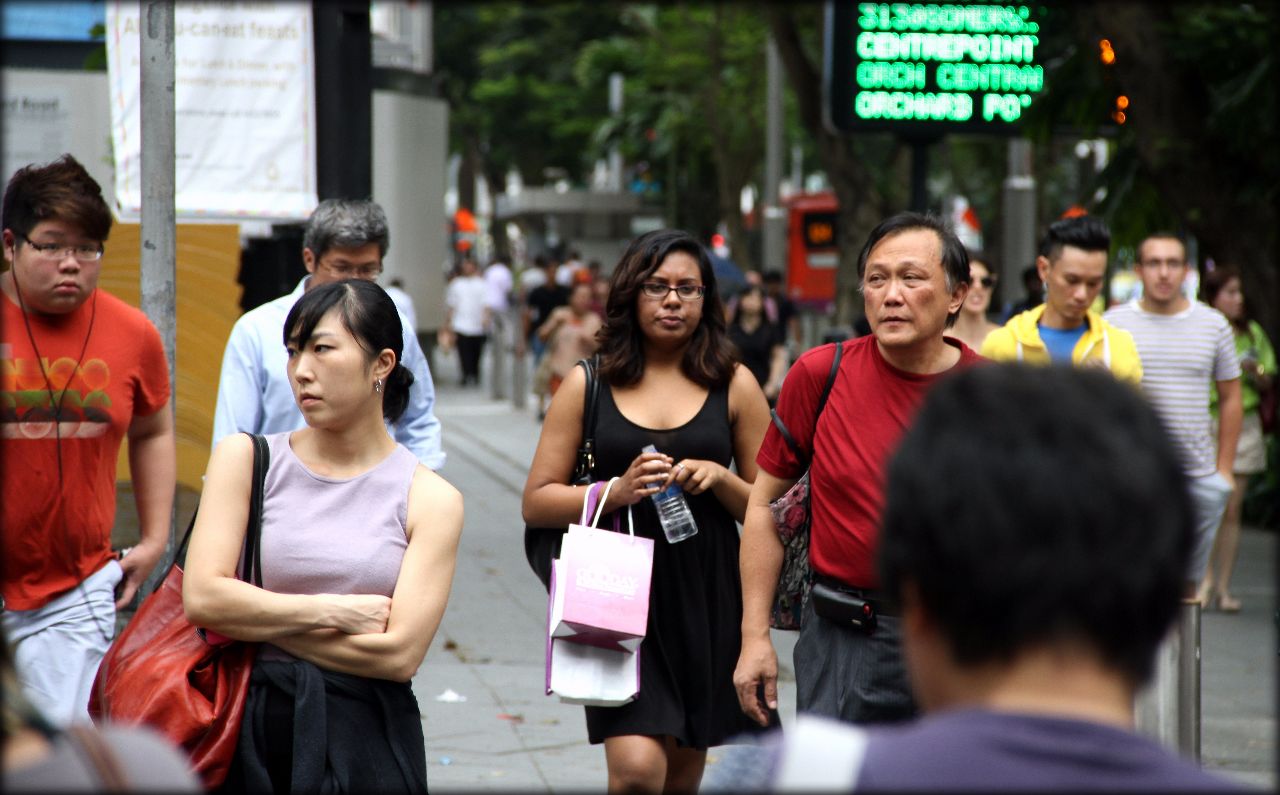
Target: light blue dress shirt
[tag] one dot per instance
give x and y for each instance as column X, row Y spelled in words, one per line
column 254, row 394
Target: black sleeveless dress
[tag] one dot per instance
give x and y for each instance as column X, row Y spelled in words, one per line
column 695, row 600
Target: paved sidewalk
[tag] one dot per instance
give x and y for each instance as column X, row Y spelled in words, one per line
column 489, row 726
column 508, row 735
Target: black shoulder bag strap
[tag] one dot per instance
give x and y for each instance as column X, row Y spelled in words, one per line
column 253, row 531
column 251, row 563
column 586, row 461
column 822, row 402
column 541, row 544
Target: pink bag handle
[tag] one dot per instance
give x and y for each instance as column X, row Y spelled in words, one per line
column 593, row 503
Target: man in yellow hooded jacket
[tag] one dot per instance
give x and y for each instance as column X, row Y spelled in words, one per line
column 1072, row 265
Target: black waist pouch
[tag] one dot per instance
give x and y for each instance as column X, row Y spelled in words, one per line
column 843, row 608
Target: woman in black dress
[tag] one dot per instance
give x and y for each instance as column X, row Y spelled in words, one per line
column 759, row 341
column 667, row 378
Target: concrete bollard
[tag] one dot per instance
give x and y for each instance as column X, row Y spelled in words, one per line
column 520, row 379
column 498, row 360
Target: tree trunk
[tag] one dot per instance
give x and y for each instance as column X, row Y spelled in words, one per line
column 731, row 177
column 840, row 159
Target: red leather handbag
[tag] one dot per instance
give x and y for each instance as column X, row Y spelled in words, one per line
column 162, row 672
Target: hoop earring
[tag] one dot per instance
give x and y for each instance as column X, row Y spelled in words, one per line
column 377, row 386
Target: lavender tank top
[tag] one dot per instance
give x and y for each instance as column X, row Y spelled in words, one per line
column 333, row 535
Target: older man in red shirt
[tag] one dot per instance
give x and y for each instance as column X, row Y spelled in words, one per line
column 915, row 275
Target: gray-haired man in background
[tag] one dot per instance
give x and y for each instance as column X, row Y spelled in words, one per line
column 344, row 239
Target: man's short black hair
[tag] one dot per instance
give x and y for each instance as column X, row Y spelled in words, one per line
column 1085, row 232
column 1033, row 506
column 955, row 258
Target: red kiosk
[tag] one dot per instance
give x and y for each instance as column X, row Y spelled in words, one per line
column 813, row 241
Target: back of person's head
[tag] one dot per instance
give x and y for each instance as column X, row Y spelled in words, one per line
column 1085, row 232
column 1031, row 507
column 62, row 190
column 955, row 259
column 346, row 223
column 708, row 360
column 365, row 310
column 1031, row 279
column 772, row 277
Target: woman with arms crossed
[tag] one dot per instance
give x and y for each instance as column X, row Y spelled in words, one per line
column 358, row 548
column 667, row 377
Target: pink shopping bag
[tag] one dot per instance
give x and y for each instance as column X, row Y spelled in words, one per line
column 601, row 596
column 590, row 675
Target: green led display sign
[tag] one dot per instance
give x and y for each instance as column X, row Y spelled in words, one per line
column 930, row 67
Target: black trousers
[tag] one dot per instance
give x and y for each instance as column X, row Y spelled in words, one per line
column 469, row 348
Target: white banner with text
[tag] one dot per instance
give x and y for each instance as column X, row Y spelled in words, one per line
column 244, row 109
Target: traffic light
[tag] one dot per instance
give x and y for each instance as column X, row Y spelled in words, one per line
column 1120, row 113
column 1120, row 106
column 1108, row 55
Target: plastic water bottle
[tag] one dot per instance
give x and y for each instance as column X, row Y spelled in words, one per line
column 673, row 510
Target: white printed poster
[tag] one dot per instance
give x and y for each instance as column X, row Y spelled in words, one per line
column 36, row 120
column 244, row 109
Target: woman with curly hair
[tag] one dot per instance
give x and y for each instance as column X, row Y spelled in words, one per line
column 667, row 378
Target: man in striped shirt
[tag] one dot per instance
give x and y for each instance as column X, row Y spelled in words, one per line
column 1187, row 349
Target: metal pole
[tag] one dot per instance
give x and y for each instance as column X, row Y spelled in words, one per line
column 1168, row 708
column 498, row 356
column 1019, row 245
column 919, row 174
column 519, row 365
column 159, row 230
column 1189, row 679
column 774, row 215
column 615, row 112
column 344, row 98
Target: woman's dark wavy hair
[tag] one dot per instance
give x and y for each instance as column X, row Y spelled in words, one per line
column 370, row 315
column 708, row 360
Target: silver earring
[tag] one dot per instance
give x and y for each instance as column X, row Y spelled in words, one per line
column 377, row 386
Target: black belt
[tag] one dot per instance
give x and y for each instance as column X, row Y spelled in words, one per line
column 880, row 600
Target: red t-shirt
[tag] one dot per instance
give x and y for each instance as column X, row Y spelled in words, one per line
column 870, row 405
column 122, row 374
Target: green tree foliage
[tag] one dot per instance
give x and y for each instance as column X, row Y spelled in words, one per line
column 528, row 88
column 508, row 73
column 1200, row 79
column 694, row 107
column 866, row 171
